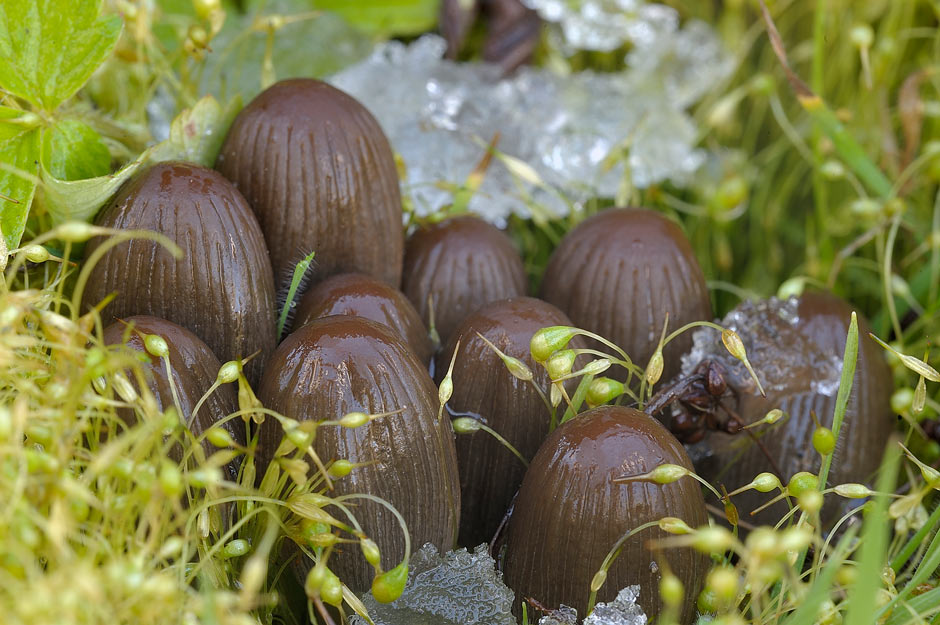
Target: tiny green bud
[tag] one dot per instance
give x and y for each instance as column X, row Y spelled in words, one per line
column 340, row 468
column 762, row 543
column 733, row 344
column 171, row 480
column 354, row 419
column 314, row 581
column 596, row 367
column 331, row 591
column 765, row 482
column 707, row 602
column 445, row 390
column 862, row 36
column 205, row 8
column 763, row 84
column 801, row 482
column 773, row 416
column 902, row 400
column 919, row 400
column 712, row 539
column 654, row 370
column 517, row 368
column 824, row 442
column 389, row 585
column 810, row 501
column 560, row 363
column 602, row 390
column 792, row 287
column 796, row 538
column 220, row 437
column 75, row 231
column 370, row 551
column 156, row 345
column 668, row 473
column 228, row 372
column 853, row 491
column 555, row 394
column 832, row 170
column 236, row 548
column 547, row 341
column 865, row 207
column 299, row 438
column 723, row 582
column 673, row 525
column 671, row 590
column 36, row 253
column 597, row 582
column 205, row 476
column 465, row 425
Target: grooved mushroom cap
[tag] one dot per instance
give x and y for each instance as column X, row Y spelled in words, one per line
column 489, row 473
column 194, row 367
column 320, row 175
column 463, row 263
column 340, row 364
column 619, row 272
column 816, row 339
column 364, row 296
column 221, row 288
column 569, row 514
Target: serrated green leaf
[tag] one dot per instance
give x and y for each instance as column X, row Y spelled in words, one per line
column 196, row 134
column 385, row 17
column 19, row 164
column 71, row 150
column 49, row 48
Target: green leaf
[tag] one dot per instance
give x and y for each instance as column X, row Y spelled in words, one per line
column 67, row 200
column 385, row 17
column 71, row 150
column 19, row 164
column 196, row 134
column 49, row 48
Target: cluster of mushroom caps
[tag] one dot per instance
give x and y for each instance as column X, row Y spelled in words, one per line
column 305, row 168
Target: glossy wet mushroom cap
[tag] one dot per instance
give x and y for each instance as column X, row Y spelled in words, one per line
column 341, row 364
column 569, row 513
column 221, row 288
column 194, row 368
column 485, row 389
column 619, row 272
column 320, row 174
column 463, row 263
column 367, row 297
column 798, row 356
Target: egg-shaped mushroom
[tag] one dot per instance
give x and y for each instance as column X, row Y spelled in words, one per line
column 364, row 296
column 320, row 174
column 486, row 390
column 796, row 348
column 619, row 273
column 569, row 513
column 194, row 369
column 460, row 264
column 341, row 364
column 221, row 287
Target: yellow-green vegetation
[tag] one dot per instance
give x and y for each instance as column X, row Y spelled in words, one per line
column 829, row 177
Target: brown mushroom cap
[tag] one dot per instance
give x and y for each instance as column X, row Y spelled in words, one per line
column 194, row 368
column 815, row 339
column 221, row 288
column 340, row 364
column 364, row 296
column 320, row 175
column 619, row 272
column 489, row 473
column 569, row 513
column 463, row 263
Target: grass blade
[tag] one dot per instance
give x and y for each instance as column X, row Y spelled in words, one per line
column 299, row 270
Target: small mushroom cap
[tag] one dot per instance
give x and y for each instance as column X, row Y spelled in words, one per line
column 619, row 272
column 320, row 174
column 462, row 263
column 483, row 387
column 341, row 364
column 367, row 297
column 221, row 289
column 194, row 368
column 569, row 513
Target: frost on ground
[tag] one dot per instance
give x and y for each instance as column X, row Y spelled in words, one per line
column 581, row 136
column 464, row 588
column 621, row 611
column 458, row 588
column 778, row 352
